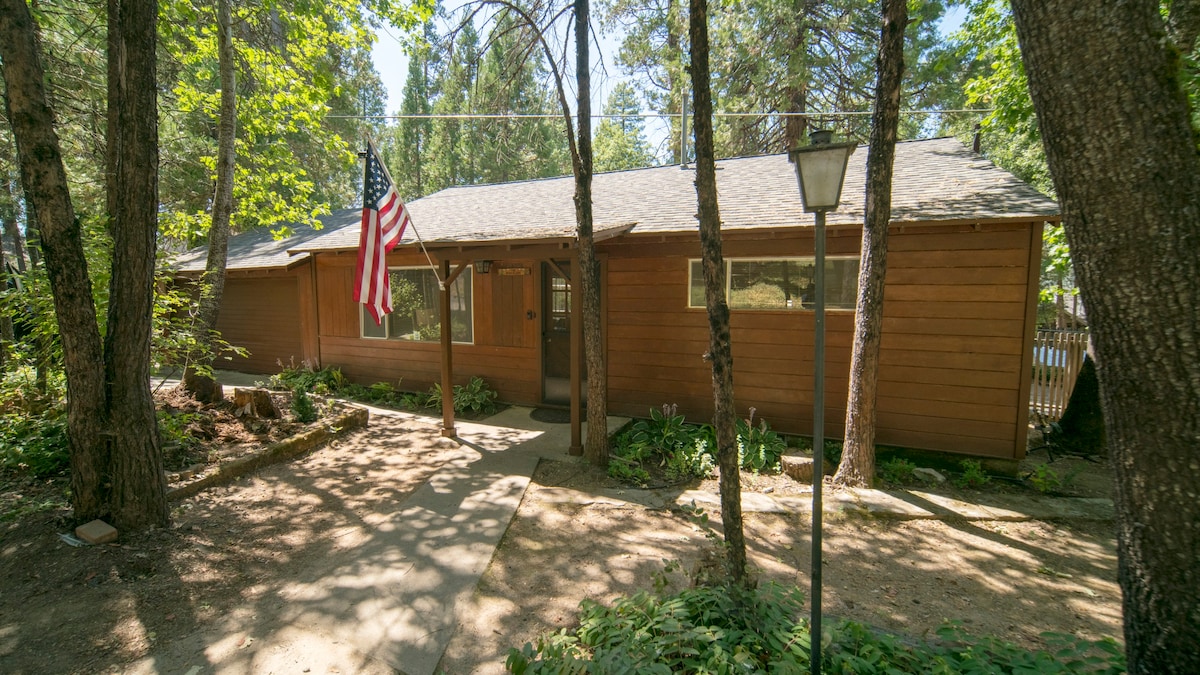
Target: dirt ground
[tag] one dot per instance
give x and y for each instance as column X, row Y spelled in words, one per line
column 102, row 608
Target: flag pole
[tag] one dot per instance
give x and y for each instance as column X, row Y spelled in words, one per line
column 411, row 224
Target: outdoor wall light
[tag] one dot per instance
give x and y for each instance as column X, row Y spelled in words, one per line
column 483, row 266
column 821, row 170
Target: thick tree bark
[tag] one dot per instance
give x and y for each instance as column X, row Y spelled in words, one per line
column 720, row 352
column 200, row 385
column 45, row 186
column 138, row 497
column 857, row 467
column 1116, row 127
column 596, row 446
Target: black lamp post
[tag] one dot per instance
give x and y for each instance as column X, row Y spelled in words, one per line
column 821, row 170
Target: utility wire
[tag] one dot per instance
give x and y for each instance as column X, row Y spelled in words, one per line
column 508, row 116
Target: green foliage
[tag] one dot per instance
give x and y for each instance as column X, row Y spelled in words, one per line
column 173, row 428
column 620, row 143
column 726, row 629
column 302, row 406
column 973, row 475
column 1045, row 479
column 682, row 450
column 324, row 381
column 759, row 448
column 897, row 470
column 628, row 471
column 33, row 424
column 175, row 339
column 475, row 397
column 705, row 629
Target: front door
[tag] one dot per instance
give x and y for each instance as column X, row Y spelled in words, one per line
column 556, row 333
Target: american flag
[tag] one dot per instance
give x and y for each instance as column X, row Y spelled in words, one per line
column 384, row 219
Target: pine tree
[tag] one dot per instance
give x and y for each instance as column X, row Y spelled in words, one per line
column 621, row 142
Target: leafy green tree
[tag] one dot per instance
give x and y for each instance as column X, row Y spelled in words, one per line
column 454, row 142
column 407, row 146
column 621, row 142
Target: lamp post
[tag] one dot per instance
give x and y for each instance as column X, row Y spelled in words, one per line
column 821, row 170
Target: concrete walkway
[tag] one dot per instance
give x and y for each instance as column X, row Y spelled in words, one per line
column 389, row 605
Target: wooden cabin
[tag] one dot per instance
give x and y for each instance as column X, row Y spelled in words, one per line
column 959, row 311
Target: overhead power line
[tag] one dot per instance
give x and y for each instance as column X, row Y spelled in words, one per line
column 508, row 116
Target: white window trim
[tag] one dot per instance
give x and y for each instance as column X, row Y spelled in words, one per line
column 729, row 280
column 362, row 314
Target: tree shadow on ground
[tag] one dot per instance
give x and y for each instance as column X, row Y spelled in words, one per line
column 1013, row 580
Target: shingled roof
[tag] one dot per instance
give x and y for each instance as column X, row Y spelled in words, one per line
column 935, row 180
column 258, row 249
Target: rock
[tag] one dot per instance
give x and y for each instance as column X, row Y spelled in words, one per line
column 798, row 467
column 928, row 475
column 254, row 401
column 96, row 532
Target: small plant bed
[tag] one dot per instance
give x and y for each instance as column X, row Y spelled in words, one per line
column 475, row 400
column 728, row 629
column 666, row 450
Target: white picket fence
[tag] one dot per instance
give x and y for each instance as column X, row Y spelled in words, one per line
column 1057, row 358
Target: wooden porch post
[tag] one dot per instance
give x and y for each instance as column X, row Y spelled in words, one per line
column 576, row 354
column 447, row 353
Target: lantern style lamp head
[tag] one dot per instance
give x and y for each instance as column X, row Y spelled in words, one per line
column 821, row 170
column 483, row 266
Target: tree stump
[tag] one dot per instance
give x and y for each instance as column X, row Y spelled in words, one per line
column 254, row 401
column 798, row 467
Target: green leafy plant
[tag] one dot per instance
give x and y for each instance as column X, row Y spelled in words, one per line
column 759, row 448
column 302, row 406
column 323, row 381
column 897, row 470
column 1045, row 479
column 722, row 629
column 475, row 397
column 628, row 471
column 33, row 422
column 973, row 475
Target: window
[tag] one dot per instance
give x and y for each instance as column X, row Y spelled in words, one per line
column 780, row 283
column 415, row 308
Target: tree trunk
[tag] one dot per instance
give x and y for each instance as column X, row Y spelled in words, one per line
column 795, row 127
column 720, row 352
column 857, row 467
column 1116, row 126
column 596, row 446
column 200, row 383
column 138, row 494
column 44, row 182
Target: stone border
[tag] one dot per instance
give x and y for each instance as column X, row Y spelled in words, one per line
column 288, row 448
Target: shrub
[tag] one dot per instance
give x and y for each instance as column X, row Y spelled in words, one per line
column 35, row 443
column 302, row 406
column 897, row 470
column 973, row 475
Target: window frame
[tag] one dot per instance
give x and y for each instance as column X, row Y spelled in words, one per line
column 752, row 259
column 363, row 317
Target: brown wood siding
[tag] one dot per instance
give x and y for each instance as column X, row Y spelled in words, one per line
column 504, row 353
column 955, row 332
column 261, row 313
